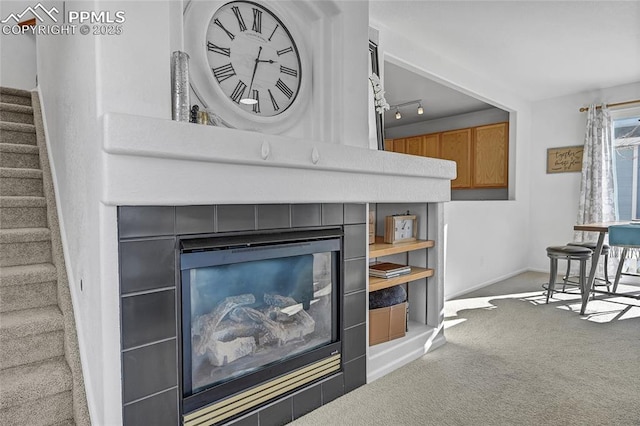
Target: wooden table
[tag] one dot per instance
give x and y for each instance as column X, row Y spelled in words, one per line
column 602, row 228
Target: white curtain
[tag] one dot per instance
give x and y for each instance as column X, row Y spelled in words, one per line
column 597, row 190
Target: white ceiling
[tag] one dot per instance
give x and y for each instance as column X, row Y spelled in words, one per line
column 535, row 49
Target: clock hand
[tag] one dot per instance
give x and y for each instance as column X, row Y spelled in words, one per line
column 255, row 67
column 250, row 101
column 271, row 61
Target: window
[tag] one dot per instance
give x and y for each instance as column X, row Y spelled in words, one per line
column 627, row 166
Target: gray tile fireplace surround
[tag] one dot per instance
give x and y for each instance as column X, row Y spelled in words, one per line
column 149, row 310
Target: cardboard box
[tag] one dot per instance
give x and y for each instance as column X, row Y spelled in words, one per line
column 387, row 323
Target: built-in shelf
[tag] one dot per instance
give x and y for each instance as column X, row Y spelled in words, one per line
column 380, row 248
column 416, row 273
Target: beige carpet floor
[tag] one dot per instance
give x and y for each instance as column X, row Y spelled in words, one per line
column 512, row 360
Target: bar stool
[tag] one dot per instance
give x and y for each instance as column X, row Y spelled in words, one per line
column 568, row 253
column 592, row 246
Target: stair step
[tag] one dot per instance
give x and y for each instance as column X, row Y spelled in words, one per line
column 15, row 113
column 9, row 172
column 54, row 410
column 23, row 212
column 20, row 182
column 28, row 296
column 27, row 274
column 18, row 201
column 26, row 350
column 15, row 96
column 24, row 235
column 28, row 322
column 19, row 156
column 30, row 335
column 17, row 133
column 30, row 382
column 25, row 287
column 34, row 246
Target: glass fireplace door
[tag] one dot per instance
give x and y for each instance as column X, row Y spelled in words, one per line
column 249, row 310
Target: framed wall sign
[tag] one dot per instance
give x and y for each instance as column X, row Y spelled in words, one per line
column 564, row 159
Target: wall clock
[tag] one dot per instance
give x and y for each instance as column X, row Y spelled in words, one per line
column 248, row 63
column 400, row 228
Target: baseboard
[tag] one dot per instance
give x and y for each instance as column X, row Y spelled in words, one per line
column 486, row 283
column 432, row 343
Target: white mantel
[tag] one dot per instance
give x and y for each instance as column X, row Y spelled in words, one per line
column 150, row 161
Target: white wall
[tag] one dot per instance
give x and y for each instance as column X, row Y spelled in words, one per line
column 17, row 52
column 554, row 197
column 486, row 240
column 67, row 83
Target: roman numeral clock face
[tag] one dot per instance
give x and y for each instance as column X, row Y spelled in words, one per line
column 253, row 59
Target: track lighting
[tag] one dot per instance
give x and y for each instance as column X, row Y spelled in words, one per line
column 397, row 107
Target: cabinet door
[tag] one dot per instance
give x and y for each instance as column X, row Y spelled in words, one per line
column 399, row 145
column 414, row 145
column 431, row 145
column 491, row 156
column 456, row 145
column 388, row 144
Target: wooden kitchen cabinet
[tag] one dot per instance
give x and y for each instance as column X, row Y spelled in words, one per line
column 456, row 146
column 414, row 145
column 491, row 156
column 399, row 145
column 431, row 145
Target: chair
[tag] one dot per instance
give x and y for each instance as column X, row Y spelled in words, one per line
column 568, row 253
column 592, row 247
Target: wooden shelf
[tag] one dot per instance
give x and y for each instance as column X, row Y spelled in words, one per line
column 380, row 248
column 416, row 273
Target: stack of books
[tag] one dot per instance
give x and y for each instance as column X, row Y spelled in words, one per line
column 388, row 270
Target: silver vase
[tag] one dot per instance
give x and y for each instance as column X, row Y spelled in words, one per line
column 180, row 103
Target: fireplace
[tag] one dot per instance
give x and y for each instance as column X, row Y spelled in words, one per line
column 260, row 318
column 321, row 366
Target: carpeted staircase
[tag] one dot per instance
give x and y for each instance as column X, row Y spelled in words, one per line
column 40, row 375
